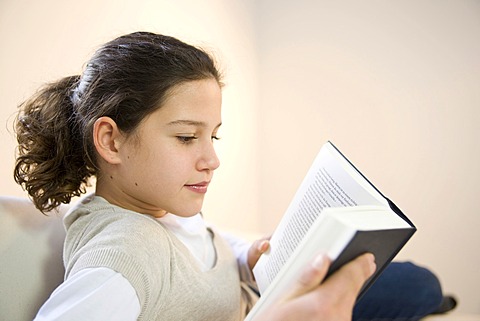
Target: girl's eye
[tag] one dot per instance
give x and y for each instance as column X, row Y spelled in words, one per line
column 186, row 139
column 215, row 138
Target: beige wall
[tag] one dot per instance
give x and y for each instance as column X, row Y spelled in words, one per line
column 396, row 86
column 393, row 84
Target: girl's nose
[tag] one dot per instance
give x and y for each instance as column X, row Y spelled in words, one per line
column 209, row 159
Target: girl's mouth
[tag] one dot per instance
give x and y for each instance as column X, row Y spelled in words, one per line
column 200, row 188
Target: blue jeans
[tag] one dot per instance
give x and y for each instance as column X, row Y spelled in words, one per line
column 403, row 292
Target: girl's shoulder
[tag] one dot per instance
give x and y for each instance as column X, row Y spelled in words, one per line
column 99, row 223
column 100, row 234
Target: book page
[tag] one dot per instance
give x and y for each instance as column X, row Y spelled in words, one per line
column 330, row 182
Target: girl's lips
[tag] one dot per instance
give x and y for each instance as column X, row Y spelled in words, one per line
column 198, row 188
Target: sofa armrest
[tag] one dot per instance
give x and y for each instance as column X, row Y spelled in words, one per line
column 31, row 246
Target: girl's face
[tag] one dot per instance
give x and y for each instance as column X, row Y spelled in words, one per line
column 168, row 162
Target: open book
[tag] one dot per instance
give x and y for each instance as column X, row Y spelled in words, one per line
column 338, row 212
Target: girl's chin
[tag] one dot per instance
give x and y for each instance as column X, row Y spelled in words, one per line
column 186, row 215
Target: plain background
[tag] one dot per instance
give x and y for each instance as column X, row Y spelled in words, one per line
column 394, row 84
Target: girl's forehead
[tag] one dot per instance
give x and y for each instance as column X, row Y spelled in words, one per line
column 194, row 101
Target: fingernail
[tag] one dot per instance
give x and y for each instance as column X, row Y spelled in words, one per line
column 318, row 261
column 373, row 265
column 263, row 246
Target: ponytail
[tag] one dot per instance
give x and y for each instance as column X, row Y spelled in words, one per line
column 50, row 165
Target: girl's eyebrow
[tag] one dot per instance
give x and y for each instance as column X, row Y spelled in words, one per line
column 190, row 123
column 187, row 122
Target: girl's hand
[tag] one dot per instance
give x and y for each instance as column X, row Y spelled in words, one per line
column 313, row 298
column 256, row 249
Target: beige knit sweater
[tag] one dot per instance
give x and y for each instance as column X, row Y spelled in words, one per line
column 167, row 278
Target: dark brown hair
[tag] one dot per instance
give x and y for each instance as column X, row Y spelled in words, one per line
column 127, row 79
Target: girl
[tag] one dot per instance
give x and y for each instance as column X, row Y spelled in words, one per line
column 142, row 119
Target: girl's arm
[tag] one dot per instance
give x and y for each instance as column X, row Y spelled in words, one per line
column 247, row 255
column 92, row 294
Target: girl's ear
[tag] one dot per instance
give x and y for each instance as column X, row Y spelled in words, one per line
column 107, row 137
